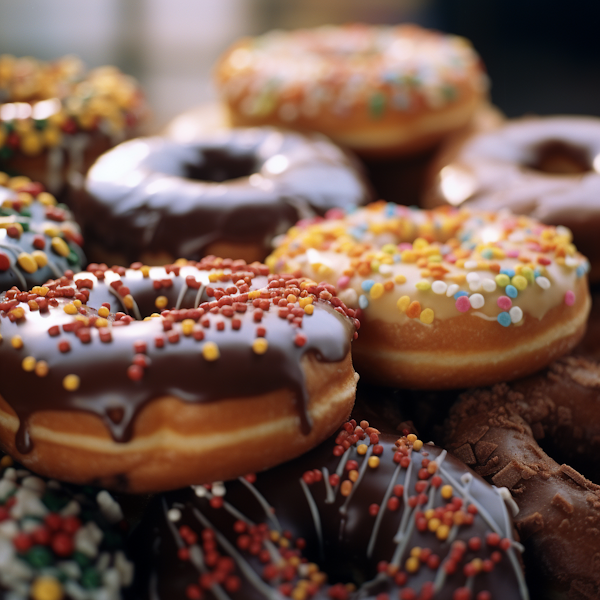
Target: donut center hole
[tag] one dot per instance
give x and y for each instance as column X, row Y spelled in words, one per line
column 218, row 166
column 560, row 158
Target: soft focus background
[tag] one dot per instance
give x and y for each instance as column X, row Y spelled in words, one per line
column 543, row 56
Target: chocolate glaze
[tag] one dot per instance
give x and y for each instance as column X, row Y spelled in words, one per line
column 35, row 220
column 177, row 368
column 243, row 186
column 339, row 532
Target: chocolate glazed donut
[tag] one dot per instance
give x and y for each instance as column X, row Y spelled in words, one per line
column 155, row 199
column 496, row 432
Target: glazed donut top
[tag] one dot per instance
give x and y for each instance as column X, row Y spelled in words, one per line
column 38, row 237
column 398, row 263
column 364, row 515
column 59, row 541
column 297, row 75
column 244, row 185
column 232, row 333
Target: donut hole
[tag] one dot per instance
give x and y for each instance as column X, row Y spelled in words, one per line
column 219, row 165
column 557, row 157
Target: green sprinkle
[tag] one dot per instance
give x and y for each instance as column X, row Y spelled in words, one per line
column 377, row 105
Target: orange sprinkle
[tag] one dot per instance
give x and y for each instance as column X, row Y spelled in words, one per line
column 413, row 310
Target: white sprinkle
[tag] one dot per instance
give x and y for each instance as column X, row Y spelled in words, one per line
column 174, row 514
column 385, row 269
column 349, row 297
column 471, row 264
column 517, row 236
column 35, row 484
column 109, row 507
column 476, row 300
column 70, row 568
column 72, row 509
column 439, row 287
column 543, row 282
column 571, row 261
column 199, row 490
column 489, row 285
column 472, row 277
column 124, row 567
column 516, row 314
column 562, row 230
column 475, row 286
column 218, row 489
column 103, row 562
column 452, row 289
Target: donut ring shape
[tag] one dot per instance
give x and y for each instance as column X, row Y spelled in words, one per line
column 447, row 298
column 377, row 90
column 546, row 168
column 497, row 432
column 38, row 237
column 90, row 396
column 352, row 511
column 155, row 199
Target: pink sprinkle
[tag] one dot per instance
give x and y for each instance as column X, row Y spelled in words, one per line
column 404, row 246
column 335, row 213
column 535, row 247
column 343, row 281
column 463, row 304
column 570, row 298
column 450, row 258
column 512, row 254
column 504, row 302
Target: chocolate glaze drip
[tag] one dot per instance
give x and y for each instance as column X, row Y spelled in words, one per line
column 242, row 186
column 338, row 530
column 174, row 361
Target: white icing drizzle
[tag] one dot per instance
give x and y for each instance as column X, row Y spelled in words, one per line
column 269, row 512
column 329, row 494
column 182, row 291
column 363, row 468
column 314, row 510
column 199, row 293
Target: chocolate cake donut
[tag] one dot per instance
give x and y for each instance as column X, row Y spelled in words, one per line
column 155, row 199
column 365, row 515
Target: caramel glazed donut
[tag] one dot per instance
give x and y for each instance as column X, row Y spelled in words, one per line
column 496, row 432
column 154, row 199
column 241, row 360
column 38, row 237
column 447, row 298
column 364, row 515
column 377, row 90
column 543, row 167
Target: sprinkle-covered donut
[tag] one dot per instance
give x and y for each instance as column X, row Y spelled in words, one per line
column 38, row 238
column 365, row 515
column 243, row 372
column 543, row 167
column 378, row 90
column 448, row 298
column 230, row 193
column 59, row 542
column 497, row 432
column 55, row 118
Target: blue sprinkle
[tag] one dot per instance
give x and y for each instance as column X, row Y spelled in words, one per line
column 367, row 284
column 509, row 272
column 580, row 271
column 459, row 294
column 511, row 291
column 390, row 209
column 504, row 319
column 363, row 302
column 356, row 233
column 465, row 236
column 487, row 253
column 397, row 258
column 536, row 273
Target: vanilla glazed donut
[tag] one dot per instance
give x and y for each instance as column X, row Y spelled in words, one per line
column 497, row 432
column 229, row 193
column 544, row 167
column 378, row 90
column 365, row 515
column 447, row 298
column 38, row 237
column 245, row 371
column 56, row 119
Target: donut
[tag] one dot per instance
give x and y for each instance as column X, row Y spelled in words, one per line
column 38, row 237
column 590, row 344
column 243, row 372
column 365, row 515
column 447, row 298
column 59, row 541
column 155, row 199
column 378, row 90
column 497, row 432
column 56, row 119
column 543, row 167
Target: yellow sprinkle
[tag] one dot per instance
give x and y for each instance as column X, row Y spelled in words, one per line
column 6, row 461
column 446, row 491
column 77, row 303
column 103, row 311
column 420, row 243
column 128, row 301
column 412, row 564
column 25, row 198
column 353, row 475
column 101, row 323
column 362, row 449
column 442, row 532
column 60, row 246
column 408, row 256
column 373, row 462
column 187, row 326
column 429, row 513
column 427, row 316
column 403, row 303
column 519, row 282
column 254, row 294
column 291, row 299
column 309, row 309
column 502, row 280
column 377, row 291
column 274, row 535
column 399, row 279
column 47, row 199
column 411, row 437
column 71, row 382
column 389, row 249
column 16, row 342
column 41, row 258
column 260, row 345
column 52, row 231
column 417, row 445
column 14, row 183
column 161, row 302
column 433, row 524
column 28, row 363
column 41, row 368
column 210, row 351
column 305, row 301
column 423, row 285
column 46, row 588
column 528, row 273
column 27, row 262
column 416, row 551
column 145, row 270
column 70, row 309
column 40, row 290
column 346, row 488
column 4, row 178
column 18, row 312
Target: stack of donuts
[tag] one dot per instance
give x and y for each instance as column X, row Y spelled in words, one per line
column 189, row 424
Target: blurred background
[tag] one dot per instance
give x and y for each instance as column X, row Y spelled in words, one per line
column 543, row 56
